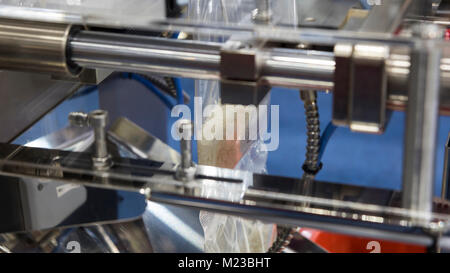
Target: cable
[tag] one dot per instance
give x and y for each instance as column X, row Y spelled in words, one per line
column 164, row 84
column 312, row 164
column 315, row 147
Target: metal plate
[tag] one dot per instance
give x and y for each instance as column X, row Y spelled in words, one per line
column 25, row 98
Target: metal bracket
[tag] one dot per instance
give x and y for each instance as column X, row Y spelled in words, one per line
column 360, row 87
column 240, row 68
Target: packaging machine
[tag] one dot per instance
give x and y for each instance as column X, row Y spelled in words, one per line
column 108, row 182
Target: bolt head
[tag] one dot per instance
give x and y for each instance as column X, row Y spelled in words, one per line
column 79, row 119
column 98, row 118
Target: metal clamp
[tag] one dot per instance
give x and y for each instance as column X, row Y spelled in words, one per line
column 360, row 87
column 240, row 68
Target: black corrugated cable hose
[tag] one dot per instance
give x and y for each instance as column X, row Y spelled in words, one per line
column 310, row 167
column 167, row 85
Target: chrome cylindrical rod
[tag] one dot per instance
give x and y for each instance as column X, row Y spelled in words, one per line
column 98, row 120
column 294, row 68
column 422, row 124
column 145, row 54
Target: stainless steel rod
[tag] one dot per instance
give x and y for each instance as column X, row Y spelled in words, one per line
column 201, row 60
column 422, row 125
column 145, row 54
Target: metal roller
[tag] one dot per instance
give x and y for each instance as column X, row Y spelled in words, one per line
column 303, row 69
column 36, row 47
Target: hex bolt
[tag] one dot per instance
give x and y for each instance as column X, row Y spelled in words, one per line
column 186, row 169
column 98, row 120
column 79, row 119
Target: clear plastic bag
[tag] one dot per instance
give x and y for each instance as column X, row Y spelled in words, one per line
column 224, row 233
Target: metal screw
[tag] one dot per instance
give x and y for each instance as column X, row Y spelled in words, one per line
column 79, row 119
column 98, row 120
column 186, row 170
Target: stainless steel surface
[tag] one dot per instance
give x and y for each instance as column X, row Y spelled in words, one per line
column 161, row 229
column 298, row 68
column 142, row 143
column 25, row 98
column 422, row 124
column 72, row 138
column 339, row 208
column 169, row 228
column 380, row 70
column 141, row 235
column 36, row 47
column 40, row 205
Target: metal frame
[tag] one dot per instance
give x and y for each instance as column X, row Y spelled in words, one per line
column 417, row 78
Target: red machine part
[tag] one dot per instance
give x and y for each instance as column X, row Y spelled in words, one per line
column 447, row 34
column 338, row 243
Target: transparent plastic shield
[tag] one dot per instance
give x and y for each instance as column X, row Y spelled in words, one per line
column 104, row 12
